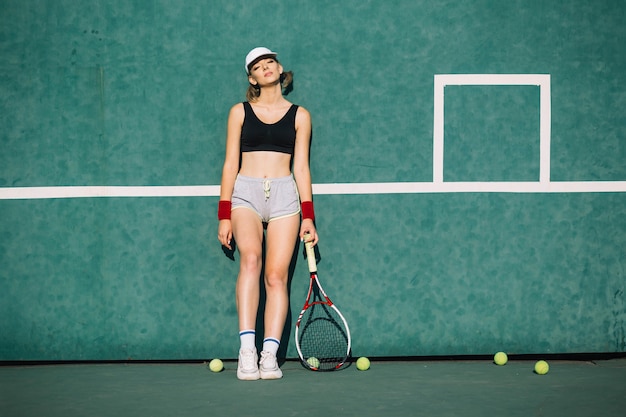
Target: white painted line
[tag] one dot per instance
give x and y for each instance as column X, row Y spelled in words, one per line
column 14, row 193
column 28, row 193
column 545, row 126
column 438, row 124
column 471, row 187
column 493, row 79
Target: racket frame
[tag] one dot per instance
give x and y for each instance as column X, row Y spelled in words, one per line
column 314, row 281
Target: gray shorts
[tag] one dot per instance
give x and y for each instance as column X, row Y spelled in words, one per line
column 269, row 198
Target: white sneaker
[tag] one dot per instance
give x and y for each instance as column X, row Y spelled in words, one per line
column 268, row 366
column 247, row 368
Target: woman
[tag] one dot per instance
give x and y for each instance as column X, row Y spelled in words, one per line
column 259, row 191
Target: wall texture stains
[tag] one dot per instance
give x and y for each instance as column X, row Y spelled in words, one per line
column 137, row 93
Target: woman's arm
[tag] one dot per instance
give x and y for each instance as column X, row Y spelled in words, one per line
column 301, row 168
column 231, row 159
column 230, row 168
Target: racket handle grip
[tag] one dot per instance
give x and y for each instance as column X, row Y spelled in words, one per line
column 310, row 253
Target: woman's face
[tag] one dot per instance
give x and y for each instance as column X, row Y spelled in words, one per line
column 265, row 71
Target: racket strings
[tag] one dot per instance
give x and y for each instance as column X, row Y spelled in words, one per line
column 324, row 336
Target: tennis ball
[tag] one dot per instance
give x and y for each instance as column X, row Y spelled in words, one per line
column 216, row 365
column 542, row 367
column 313, row 362
column 362, row 364
column 500, row 358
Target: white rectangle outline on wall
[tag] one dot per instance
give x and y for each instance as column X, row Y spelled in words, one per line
column 541, row 80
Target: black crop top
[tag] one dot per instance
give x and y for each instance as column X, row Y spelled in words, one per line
column 277, row 137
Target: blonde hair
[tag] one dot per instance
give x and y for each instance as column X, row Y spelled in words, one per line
column 286, row 80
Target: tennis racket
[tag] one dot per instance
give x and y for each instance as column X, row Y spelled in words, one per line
column 322, row 333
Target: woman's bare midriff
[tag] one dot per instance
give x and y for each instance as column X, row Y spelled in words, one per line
column 265, row 164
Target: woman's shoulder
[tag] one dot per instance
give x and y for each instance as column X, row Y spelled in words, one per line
column 303, row 118
column 236, row 114
column 302, row 112
column 237, row 109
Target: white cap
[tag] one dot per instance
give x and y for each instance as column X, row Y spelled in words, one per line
column 257, row 53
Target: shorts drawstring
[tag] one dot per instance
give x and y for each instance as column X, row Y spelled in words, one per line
column 266, row 188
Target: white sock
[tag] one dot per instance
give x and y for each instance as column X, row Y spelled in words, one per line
column 247, row 338
column 271, row 345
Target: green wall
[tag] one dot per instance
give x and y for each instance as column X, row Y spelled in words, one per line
column 137, row 93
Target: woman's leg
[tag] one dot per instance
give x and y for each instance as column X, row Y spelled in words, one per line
column 280, row 243
column 282, row 235
column 248, row 233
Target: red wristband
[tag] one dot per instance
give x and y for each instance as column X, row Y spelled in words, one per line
column 307, row 210
column 223, row 210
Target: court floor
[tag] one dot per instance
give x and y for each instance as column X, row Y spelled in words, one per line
column 390, row 388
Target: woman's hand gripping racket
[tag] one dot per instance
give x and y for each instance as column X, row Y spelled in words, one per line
column 322, row 333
